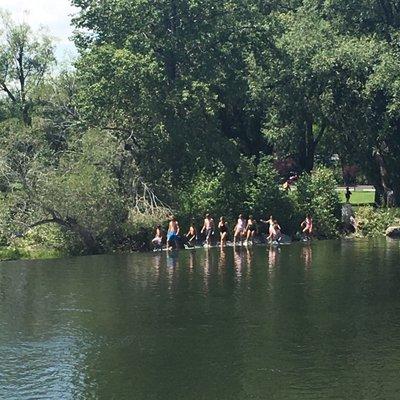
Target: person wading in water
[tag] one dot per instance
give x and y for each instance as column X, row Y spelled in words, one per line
column 307, row 226
column 239, row 230
column 192, row 234
column 208, row 229
column 251, row 230
column 223, row 230
column 173, row 233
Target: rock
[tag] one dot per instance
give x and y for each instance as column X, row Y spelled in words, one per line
column 393, row 231
column 347, row 213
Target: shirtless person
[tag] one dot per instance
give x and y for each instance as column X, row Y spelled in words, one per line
column 307, row 225
column 208, row 228
column 173, row 232
column 239, row 230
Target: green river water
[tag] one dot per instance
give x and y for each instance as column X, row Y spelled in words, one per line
column 319, row 321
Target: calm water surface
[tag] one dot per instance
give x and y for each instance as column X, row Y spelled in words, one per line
column 303, row 322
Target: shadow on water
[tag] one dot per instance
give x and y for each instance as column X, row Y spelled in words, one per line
column 305, row 321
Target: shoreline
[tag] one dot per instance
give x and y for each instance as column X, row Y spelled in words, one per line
column 31, row 254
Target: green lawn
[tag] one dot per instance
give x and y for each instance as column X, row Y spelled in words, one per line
column 358, row 197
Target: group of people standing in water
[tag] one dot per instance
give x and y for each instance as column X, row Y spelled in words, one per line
column 243, row 233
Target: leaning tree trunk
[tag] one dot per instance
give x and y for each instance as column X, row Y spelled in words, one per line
column 88, row 239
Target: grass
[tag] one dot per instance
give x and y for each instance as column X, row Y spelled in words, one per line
column 358, row 197
column 18, row 253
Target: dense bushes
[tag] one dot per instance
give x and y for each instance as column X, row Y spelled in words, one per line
column 257, row 190
column 221, row 192
column 374, row 222
column 316, row 195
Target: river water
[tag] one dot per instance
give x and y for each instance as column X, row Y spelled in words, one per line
column 319, row 321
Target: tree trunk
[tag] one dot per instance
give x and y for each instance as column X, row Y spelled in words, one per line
column 26, row 118
column 384, row 176
column 86, row 236
column 307, row 148
column 379, row 195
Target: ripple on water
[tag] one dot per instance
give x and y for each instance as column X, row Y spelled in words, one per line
column 315, row 322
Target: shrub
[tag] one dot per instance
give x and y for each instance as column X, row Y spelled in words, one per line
column 139, row 229
column 374, row 222
column 265, row 198
column 249, row 189
column 220, row 193
column 316, row 194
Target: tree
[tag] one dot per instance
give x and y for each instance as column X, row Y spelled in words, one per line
column 172, row 75
column 77, row 190
column 25, row 58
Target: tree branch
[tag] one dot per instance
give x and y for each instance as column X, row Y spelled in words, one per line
column 320, row 134
column 10, row 95
column 43, row 222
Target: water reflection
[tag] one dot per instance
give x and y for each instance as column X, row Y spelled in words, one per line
column 222, row 257
column 249, row 257
column 172, row 259
column 238, row 259
column 306, row 255
column 192, row 260
column 204, row 324
column 273, row 257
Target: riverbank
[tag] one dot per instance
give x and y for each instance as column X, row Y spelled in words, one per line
column 45, row 243
column 21, row 253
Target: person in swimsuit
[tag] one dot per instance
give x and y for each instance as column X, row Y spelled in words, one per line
column 278, row 232
column 158, row 238
column 307, row 225
column 270, row 223
column 239, row 230
column 275, row 233
column 192, row 234
column 173, row 233
column 223, row 230
column 251, row 229
column 208, row 228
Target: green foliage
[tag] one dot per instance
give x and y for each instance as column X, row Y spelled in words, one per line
column 50, row 238
column 78, row 192
column 194, row 99
column 219, row 193
column 263, row 190
column 13, row 253
column 25, row 58
column 373, row 222
column 266, row 196
column 316, row 194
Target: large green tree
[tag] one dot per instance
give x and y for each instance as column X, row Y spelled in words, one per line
column 172, row 75
column 25, row 58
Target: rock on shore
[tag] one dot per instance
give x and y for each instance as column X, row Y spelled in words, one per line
column 393, row 231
